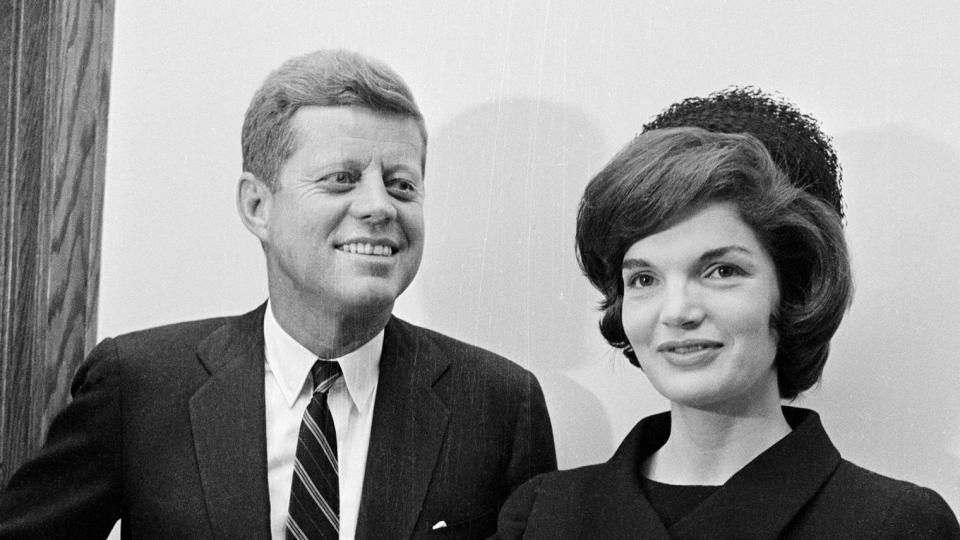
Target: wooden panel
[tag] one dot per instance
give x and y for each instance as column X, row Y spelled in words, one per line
column 77, row 92
column 22, row 331
column 57, row 54
column 7, row 82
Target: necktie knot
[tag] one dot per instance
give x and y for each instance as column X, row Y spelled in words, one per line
column 324, row 373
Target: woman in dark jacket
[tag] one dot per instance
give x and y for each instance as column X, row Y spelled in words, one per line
column 725, row 284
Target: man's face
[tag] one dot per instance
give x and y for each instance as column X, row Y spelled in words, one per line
column 344, row 228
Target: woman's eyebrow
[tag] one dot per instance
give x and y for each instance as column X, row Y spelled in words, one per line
column 721, row 251
column 630, row 264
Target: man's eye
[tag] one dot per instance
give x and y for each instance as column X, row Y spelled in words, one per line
column 401, row 185
column 340, row 177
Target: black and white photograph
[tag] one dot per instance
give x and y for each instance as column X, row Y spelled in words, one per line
column 512, row 269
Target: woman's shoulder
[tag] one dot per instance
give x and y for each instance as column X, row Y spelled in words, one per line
column 571, row 489
column 549, row 502
column 860, row 481
column 565, row 481
column 897, row 506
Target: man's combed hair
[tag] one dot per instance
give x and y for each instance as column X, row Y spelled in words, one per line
column 794, row 139
column 665, row 176
column 321, row 78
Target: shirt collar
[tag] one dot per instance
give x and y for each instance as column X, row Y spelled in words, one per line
column 290, row 363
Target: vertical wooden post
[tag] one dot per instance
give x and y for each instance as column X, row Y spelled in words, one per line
column 54, row 91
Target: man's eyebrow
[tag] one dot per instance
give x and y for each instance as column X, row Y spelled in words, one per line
column 402, row 165
column 354, row 162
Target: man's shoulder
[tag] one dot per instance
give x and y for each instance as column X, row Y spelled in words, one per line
column 183, row 338
column 162, row 357
column 180, row 334
column 464, row 356
column 444, row 341
column 177, row 330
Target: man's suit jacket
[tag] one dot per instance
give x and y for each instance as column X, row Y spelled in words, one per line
column 166, row 431
column 798, row 488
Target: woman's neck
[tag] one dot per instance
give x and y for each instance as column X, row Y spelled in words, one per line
column 707, row 447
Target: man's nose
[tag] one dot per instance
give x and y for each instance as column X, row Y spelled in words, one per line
column 372, row 202
column 682, row 307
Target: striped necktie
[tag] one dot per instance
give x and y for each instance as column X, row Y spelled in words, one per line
column 314, row 511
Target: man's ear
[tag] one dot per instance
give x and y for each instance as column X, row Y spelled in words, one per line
column 254, row 202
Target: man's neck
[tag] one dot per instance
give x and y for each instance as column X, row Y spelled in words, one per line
column 325, row 334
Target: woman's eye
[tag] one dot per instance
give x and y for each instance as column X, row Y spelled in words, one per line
column 641, row 280
column 722, row 271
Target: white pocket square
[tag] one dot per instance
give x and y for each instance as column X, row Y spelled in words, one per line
column 439, row 525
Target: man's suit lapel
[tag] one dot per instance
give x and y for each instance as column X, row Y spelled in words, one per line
column 229, row 434
column 409, row 423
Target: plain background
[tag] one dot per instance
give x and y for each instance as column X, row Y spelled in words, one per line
column 524, row 100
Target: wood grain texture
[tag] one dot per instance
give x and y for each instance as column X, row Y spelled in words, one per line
column 22, row 332
column 56, row 109
column 78, row 85
column 7, row 29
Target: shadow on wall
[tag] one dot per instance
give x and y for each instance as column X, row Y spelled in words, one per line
column 503, row 183
column 891, row 383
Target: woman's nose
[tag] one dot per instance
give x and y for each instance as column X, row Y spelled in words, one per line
column 372, row 202
column 681, row 307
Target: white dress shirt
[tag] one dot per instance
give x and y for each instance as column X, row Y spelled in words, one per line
column 288, row 388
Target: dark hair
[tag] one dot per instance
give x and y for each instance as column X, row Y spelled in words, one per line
column 323, row 78
column 664, row 176
column 793, row 139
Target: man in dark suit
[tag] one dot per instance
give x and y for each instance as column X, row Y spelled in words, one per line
column 199, row 430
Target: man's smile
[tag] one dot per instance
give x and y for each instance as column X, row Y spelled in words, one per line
column 380, row 248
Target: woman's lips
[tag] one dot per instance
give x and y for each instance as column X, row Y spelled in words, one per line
column 689, row 352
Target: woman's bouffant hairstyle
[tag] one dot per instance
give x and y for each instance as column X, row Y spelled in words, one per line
column 795, row 142
column 665, row 176
column 322, row 78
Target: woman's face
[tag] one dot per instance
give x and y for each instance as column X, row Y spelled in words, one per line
column 697, row 303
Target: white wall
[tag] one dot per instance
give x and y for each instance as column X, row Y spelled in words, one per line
column 524, row 100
